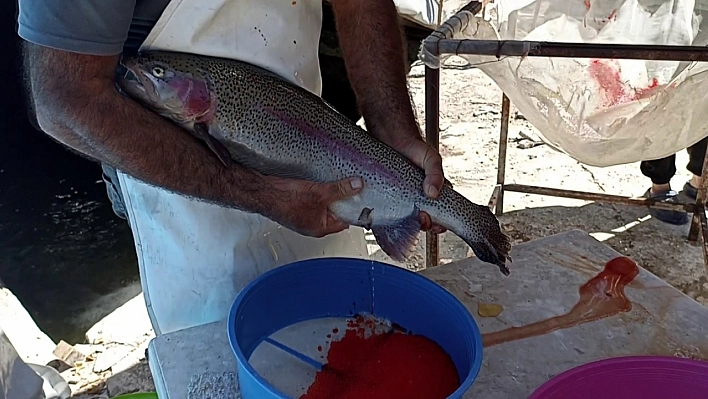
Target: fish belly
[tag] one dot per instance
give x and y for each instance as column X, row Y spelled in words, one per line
column 372, row 208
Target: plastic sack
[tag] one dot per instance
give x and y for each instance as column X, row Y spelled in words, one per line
column 424, row 12
column 600, row 112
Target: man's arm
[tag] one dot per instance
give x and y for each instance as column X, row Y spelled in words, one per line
column 77, row 104
column 373, row 48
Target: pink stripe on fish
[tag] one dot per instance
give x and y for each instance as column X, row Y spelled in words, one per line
column 337, row 147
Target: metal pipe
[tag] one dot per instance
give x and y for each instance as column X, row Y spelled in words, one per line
column 432, row 136
column 616, row 199
column 700, row 203
column 704, row 231
column 521, row 48
column 452, row 26
column 501, row 162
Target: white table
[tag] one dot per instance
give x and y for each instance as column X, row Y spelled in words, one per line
column 544, row 282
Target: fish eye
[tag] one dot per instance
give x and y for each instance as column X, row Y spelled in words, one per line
column 158, row 71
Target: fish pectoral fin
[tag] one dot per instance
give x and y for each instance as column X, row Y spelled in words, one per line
column 397, row 240
column 365, row 219
column 447, row 183
column 220, row 150
column 268, row 167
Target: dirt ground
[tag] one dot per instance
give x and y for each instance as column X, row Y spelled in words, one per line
column 470, row 118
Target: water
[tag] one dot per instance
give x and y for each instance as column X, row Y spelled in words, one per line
column 61, row 247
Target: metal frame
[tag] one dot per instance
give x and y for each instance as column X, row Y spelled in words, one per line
column 438, row 43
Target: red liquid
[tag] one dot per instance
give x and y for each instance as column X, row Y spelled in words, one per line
column 386, row 366
column 603, row 296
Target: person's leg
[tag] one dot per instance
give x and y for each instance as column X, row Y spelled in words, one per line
column 696, row 154
column 660, row 171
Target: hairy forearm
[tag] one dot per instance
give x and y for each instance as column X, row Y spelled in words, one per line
column 94, row 119
column 373, row 49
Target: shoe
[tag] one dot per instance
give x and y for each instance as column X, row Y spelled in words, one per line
column 671, row 217
column 690, row 191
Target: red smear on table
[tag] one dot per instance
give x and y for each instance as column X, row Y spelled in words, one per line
column 386, row 365
column 614, row 92
column 601, row 297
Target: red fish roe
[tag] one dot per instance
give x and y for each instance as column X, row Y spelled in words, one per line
column 386, row 365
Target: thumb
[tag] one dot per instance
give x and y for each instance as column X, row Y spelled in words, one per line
column 345, row 188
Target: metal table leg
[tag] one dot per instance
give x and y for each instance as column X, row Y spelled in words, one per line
column 432, row 136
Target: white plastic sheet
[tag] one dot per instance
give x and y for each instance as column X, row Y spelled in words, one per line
column 424, row 12
column 600, row 112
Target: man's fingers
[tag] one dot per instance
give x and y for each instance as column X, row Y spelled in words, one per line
column 430, row 160
column 425, row 222
column 334, row 225
column 437, row 229
column 434, row 178
column 345, row 188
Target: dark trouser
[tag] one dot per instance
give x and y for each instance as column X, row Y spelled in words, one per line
column 660, row 171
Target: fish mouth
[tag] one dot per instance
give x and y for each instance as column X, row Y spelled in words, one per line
column 127, row 80
column 123, row 73
column 133, row 83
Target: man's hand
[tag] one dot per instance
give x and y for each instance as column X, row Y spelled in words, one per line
column 420, row 153
column 426, row 157
column 373, row 50
column 302, row 206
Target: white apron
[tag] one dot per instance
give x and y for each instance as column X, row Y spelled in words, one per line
column 195, row 257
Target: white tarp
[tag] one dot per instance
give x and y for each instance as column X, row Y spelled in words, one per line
column 600, row 112
column 424, row 12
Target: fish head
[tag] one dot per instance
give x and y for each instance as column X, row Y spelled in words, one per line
column 168, row 85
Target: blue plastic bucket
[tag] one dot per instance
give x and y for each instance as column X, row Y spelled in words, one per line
column 343, row 287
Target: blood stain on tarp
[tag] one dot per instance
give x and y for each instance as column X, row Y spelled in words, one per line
column 607, row 74
column 370, row 363
column 601, row 297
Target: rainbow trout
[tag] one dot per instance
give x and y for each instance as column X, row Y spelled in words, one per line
column 251, row 116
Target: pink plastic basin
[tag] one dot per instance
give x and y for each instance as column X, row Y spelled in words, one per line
column 633, row 377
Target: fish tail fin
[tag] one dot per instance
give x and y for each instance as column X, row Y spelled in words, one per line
column 492, row 245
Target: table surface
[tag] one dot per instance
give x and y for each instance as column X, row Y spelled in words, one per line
column 527, row 343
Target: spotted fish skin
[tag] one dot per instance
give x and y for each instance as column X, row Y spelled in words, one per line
column 269, row 124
